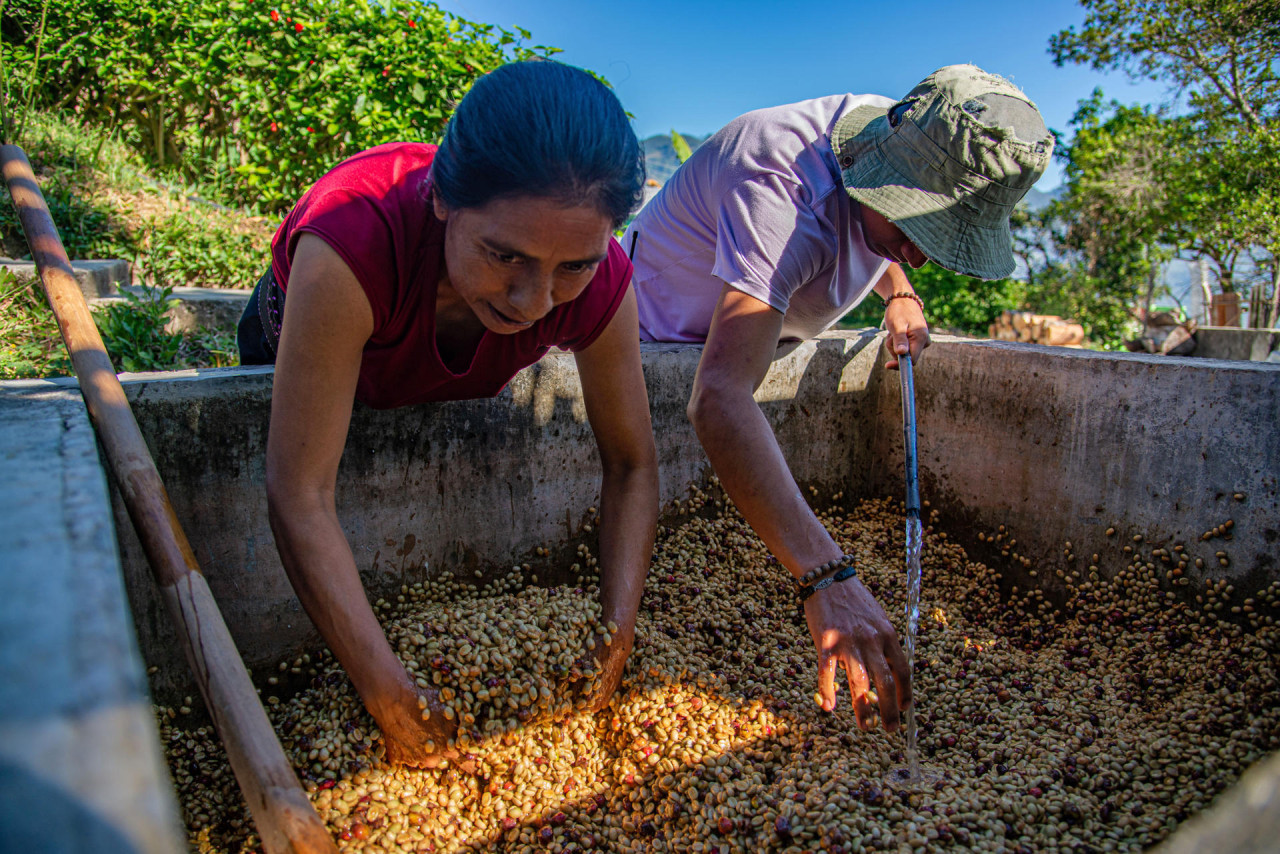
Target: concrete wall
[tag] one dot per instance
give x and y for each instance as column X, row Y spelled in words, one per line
column 1059, row 444
column 458, row 486
column 1056, row 444
column 1227, row 342
column 80, row 762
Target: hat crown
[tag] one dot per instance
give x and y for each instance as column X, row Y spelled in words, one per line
column 947, row 164
column 988, row 130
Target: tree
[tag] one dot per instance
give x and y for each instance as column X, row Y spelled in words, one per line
column 1094, row 253
column 1212, row 172
column 1220, row 54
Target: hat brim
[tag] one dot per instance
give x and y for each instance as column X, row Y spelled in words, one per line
column 929, row 220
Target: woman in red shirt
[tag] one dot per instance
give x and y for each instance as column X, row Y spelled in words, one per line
column 415, row 273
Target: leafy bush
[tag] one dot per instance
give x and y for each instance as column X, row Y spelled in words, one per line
column 953, row 303
column 266, row 97
column 134, row 331
column 106, row 205
column 61, row 156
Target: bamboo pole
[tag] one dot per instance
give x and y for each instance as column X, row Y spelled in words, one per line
column 284, row 817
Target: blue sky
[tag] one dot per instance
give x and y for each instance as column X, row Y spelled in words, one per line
column 695, row 65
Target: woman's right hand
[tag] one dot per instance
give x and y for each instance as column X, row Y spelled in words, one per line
column 850, row 628
column 408, row 739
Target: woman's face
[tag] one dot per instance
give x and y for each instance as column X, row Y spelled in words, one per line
column 515, row 259
column 887, row 240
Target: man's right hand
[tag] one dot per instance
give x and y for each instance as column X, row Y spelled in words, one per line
column 850, row 628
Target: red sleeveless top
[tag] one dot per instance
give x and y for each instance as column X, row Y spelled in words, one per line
column 374, row 210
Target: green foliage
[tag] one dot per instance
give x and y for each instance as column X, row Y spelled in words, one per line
column 209, row 348
column 963, row 305
column 20, row 79
column 266, row 97
column 1205, row 182
column 1221, row 53
column 182, row 250
column 61, row 155
column 105, row 205
column 134, row 331
column 1104, row 307
column 1095, row 253
column 953, row 303
column 30, row 343
column 681, row 145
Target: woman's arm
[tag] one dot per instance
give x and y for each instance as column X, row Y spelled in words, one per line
column 327, row 321
column 847, row 624
column 903, row 318
column 618, row 409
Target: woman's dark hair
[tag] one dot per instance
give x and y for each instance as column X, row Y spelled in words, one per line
column 540, row 128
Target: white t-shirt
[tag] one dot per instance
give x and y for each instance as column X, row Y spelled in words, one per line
column 759, row 206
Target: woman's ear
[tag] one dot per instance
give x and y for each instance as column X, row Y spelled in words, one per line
column 441, row 209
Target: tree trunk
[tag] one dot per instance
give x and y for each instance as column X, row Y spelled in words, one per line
column 1202, row 279
column 1274, row 319
column 1151, row 287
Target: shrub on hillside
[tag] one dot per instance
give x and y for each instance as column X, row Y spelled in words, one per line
column 268, row 95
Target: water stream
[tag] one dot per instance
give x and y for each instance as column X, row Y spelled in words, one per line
column 914, row 538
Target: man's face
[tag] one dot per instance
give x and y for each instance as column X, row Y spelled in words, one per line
column 887, row 240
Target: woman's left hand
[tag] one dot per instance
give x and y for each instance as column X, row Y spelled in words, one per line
column 908, row 331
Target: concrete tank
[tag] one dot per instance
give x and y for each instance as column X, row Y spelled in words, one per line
column 1052, row 443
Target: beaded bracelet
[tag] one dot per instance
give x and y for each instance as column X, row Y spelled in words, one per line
column 829, row 568
column 905, row 295
column 848, row 572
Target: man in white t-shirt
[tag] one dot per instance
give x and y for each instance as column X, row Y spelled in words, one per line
column 777, row 226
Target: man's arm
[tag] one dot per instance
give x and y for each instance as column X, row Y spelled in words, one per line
column 847, row 624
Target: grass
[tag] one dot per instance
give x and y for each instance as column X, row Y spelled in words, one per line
column 30, row 344
column 106, row 204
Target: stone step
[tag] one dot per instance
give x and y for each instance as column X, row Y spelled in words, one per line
column 208, row 308
column 97, row 277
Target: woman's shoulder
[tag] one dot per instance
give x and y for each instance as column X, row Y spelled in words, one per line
column 404, row 165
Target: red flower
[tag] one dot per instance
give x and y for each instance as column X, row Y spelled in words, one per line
column 274, row 127
column 413, row 23
column 297, row 27
column 386, row 71
column 275, row 16
column 310, row 129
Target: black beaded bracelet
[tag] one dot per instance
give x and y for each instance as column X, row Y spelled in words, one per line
column 831, row 567
column 843, row 575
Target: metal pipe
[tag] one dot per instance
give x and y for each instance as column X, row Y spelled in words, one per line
column 284, row 817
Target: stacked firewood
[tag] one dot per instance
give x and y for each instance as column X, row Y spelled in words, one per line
column 1031, row 328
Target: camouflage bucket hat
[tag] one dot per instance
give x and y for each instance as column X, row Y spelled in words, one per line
column 947, row 164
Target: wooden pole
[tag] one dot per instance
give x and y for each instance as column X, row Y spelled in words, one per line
column 284, row 817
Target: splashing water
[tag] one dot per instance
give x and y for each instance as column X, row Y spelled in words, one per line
column 914, row 537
